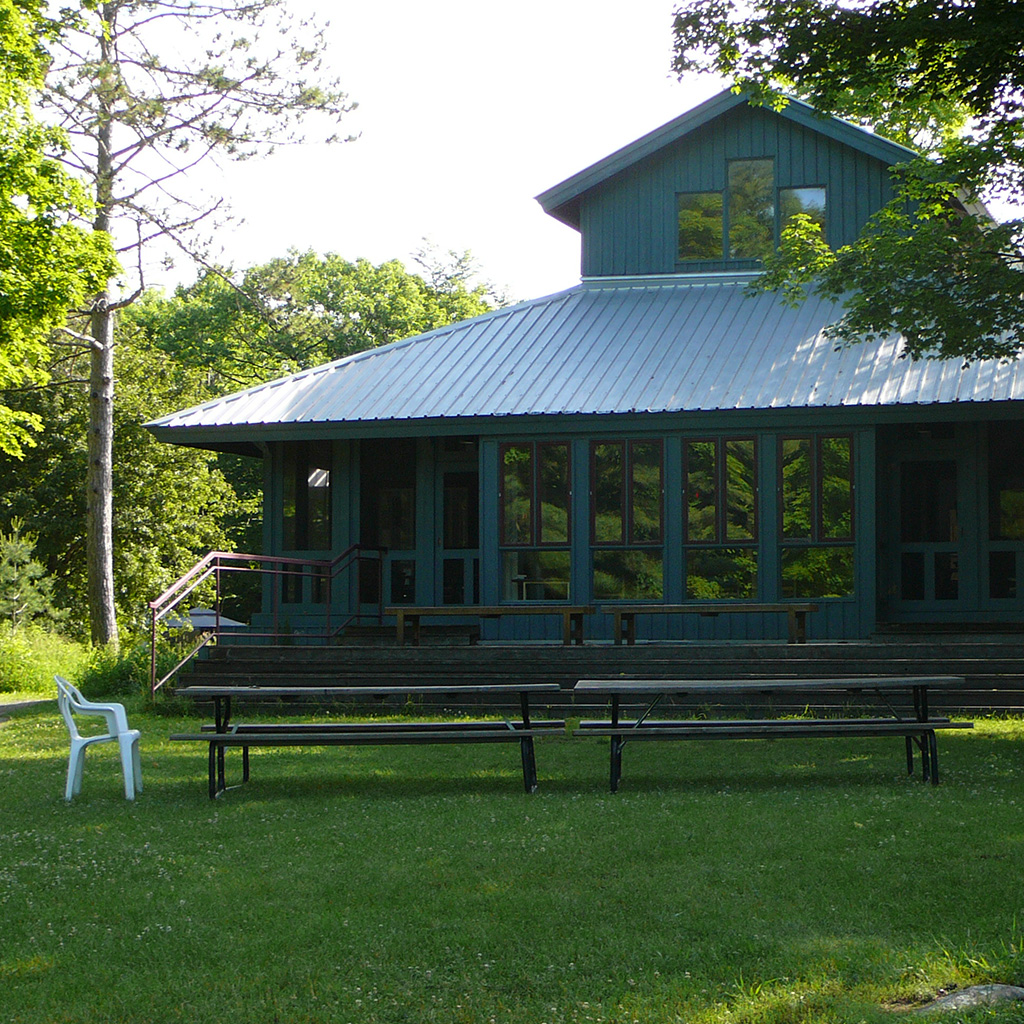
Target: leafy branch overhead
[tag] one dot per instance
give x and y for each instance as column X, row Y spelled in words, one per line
column 944, row 77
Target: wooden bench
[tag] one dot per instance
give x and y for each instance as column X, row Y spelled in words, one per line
column 918, row 730
column 625, row 615
column 572, row 616
column 223, row 734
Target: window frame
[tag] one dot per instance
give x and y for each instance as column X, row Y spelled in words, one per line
column 721, row 538
column 725, row 194
column 818, row 537
column 536, row 537
column 628, row 537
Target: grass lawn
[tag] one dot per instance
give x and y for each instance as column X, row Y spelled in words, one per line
column 782, row 881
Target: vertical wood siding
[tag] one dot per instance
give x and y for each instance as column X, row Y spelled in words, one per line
column 628, row 223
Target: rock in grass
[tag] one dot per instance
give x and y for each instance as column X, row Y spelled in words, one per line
column 976, row 995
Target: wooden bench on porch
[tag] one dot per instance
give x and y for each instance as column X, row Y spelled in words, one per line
column 625, row 615
column 572, row 616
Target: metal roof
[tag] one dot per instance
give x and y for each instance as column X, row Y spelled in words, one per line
column 607, row 346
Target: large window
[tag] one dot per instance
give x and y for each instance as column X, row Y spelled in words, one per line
column 746, row 220
column 626, row 519
column 535, row 507
column 751, row 209
column 816, row 498
column 720, row 509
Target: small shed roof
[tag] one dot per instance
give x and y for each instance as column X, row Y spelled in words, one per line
column 608, row 346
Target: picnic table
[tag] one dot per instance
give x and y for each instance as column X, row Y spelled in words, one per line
column 912, row 720
column 223, row 733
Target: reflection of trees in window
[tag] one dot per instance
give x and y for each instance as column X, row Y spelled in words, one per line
column 626, row 488
column 755, row 213
column 808, row 201
column 816, row 495
column 717, row 574
column 751, row 209
column 700, row 226
column 534, row 504
column 628, row 574
column 307, row 496
column 626, row 484
column 721, row 517
column 721, row 490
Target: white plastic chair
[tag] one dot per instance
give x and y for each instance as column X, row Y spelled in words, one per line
column 71, row 702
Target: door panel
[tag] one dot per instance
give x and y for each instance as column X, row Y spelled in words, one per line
column 929, row 530
column 459, row 518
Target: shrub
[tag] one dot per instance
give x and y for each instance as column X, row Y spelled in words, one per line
column 30, row 657
column 117, row 673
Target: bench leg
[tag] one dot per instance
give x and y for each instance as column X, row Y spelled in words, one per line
column 924, row 747
column 797, row 626
column 616, row 762
column 529, row 757
column 910, row 754
column 933, row 750
column 212, row 771
column 217, row 780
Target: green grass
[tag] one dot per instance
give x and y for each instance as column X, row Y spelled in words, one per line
column 748, row 883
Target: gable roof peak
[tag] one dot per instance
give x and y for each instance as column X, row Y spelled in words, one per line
column 561, row 201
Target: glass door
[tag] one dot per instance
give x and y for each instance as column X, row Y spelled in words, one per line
column 930, row 548
column 459, row 537
column 387, row 484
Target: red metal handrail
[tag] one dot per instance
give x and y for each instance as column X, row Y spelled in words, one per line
column 216, row 563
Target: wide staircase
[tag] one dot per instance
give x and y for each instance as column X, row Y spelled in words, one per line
column 992, row 665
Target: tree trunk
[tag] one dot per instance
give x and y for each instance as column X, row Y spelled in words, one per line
column 100, row 477
column 99, row 480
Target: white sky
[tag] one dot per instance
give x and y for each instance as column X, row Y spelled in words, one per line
column 467, row 110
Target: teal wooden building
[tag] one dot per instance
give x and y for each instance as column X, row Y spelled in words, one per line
column 656, row 434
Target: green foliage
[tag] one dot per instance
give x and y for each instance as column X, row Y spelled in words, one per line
column 120, row 672
column 173, row 504
column 48, row 264
column 25, row 590
column 31, row 656
column 170, row 501
column 299, row 311
column 934, row 75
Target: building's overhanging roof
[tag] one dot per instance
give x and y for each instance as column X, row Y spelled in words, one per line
column 562, row 200
column 609, row 346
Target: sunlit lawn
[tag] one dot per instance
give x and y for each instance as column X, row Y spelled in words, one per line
column 784, row 881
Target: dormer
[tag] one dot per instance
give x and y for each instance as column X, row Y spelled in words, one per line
column 710, row 191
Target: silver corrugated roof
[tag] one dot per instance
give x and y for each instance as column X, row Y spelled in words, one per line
column 669, row 344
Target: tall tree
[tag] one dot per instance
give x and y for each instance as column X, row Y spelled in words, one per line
column 944, row 75
column 174, row 503
column 48, row 265
column 147, row 90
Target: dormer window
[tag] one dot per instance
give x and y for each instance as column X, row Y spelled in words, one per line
column 744, row 222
